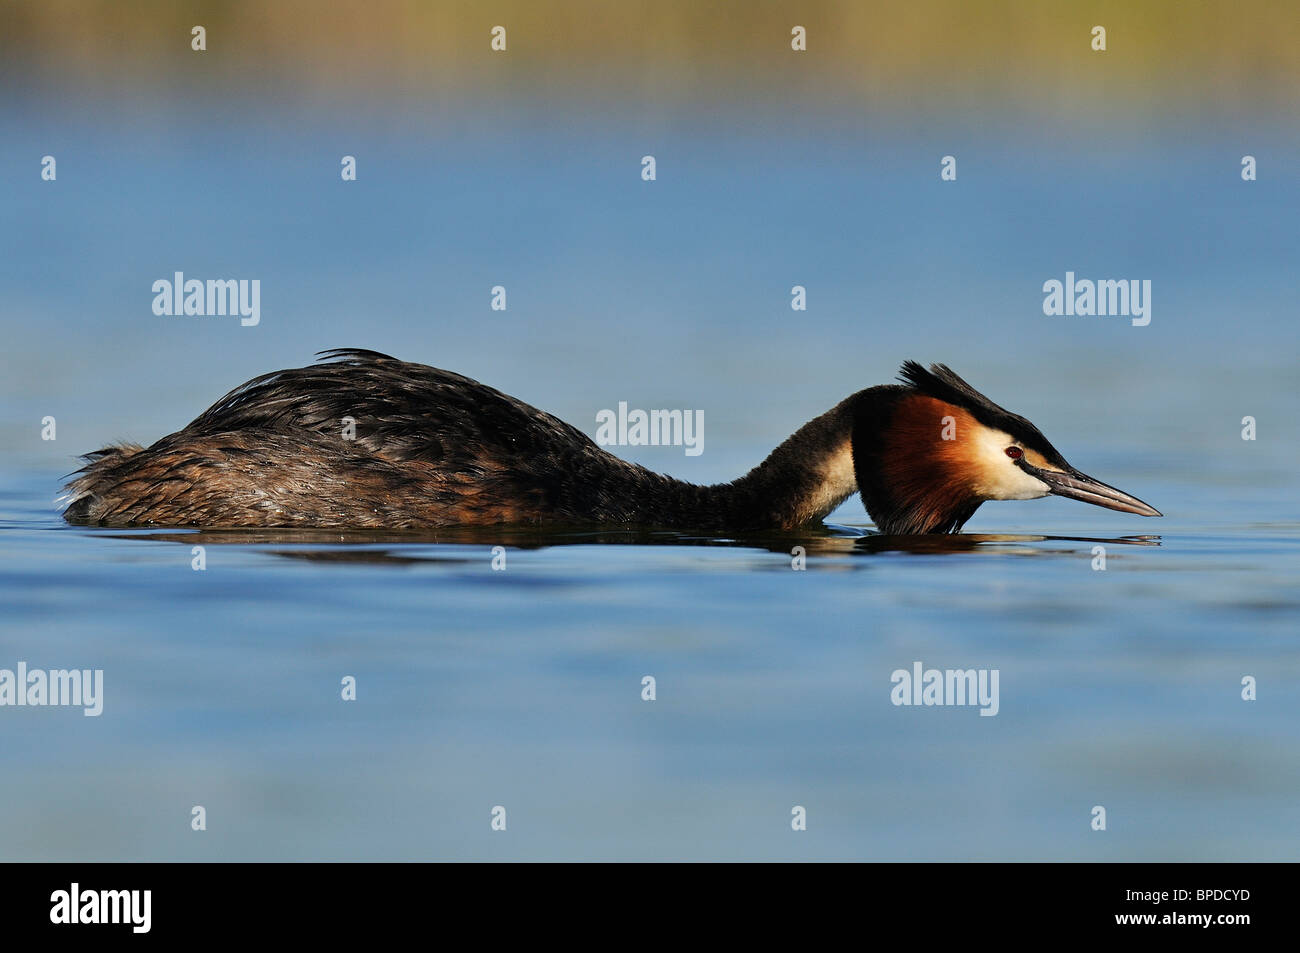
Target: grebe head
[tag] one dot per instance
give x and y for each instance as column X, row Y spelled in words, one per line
column 926, row 458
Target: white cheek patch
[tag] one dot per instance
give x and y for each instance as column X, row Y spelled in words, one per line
column 998, row 477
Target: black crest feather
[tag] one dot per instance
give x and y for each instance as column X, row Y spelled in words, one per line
column 943, row 383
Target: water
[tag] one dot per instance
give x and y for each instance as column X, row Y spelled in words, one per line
column 522, row 688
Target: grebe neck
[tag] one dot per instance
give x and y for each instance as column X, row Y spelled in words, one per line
column 801, row 481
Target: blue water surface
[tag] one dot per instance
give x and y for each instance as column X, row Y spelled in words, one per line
column 522, row 687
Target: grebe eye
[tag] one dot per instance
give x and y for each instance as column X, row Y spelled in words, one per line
column 1015, row 453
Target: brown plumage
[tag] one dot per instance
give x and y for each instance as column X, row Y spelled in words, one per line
column 433, row 448
column 928, row 476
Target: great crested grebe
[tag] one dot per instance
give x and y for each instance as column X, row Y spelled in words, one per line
column 433, row 448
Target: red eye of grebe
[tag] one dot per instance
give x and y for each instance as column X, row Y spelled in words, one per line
column 1015, row 453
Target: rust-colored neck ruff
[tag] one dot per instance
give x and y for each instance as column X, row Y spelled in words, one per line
column 924, row 464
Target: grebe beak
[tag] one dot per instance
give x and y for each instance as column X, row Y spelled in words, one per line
column 1079, row 486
